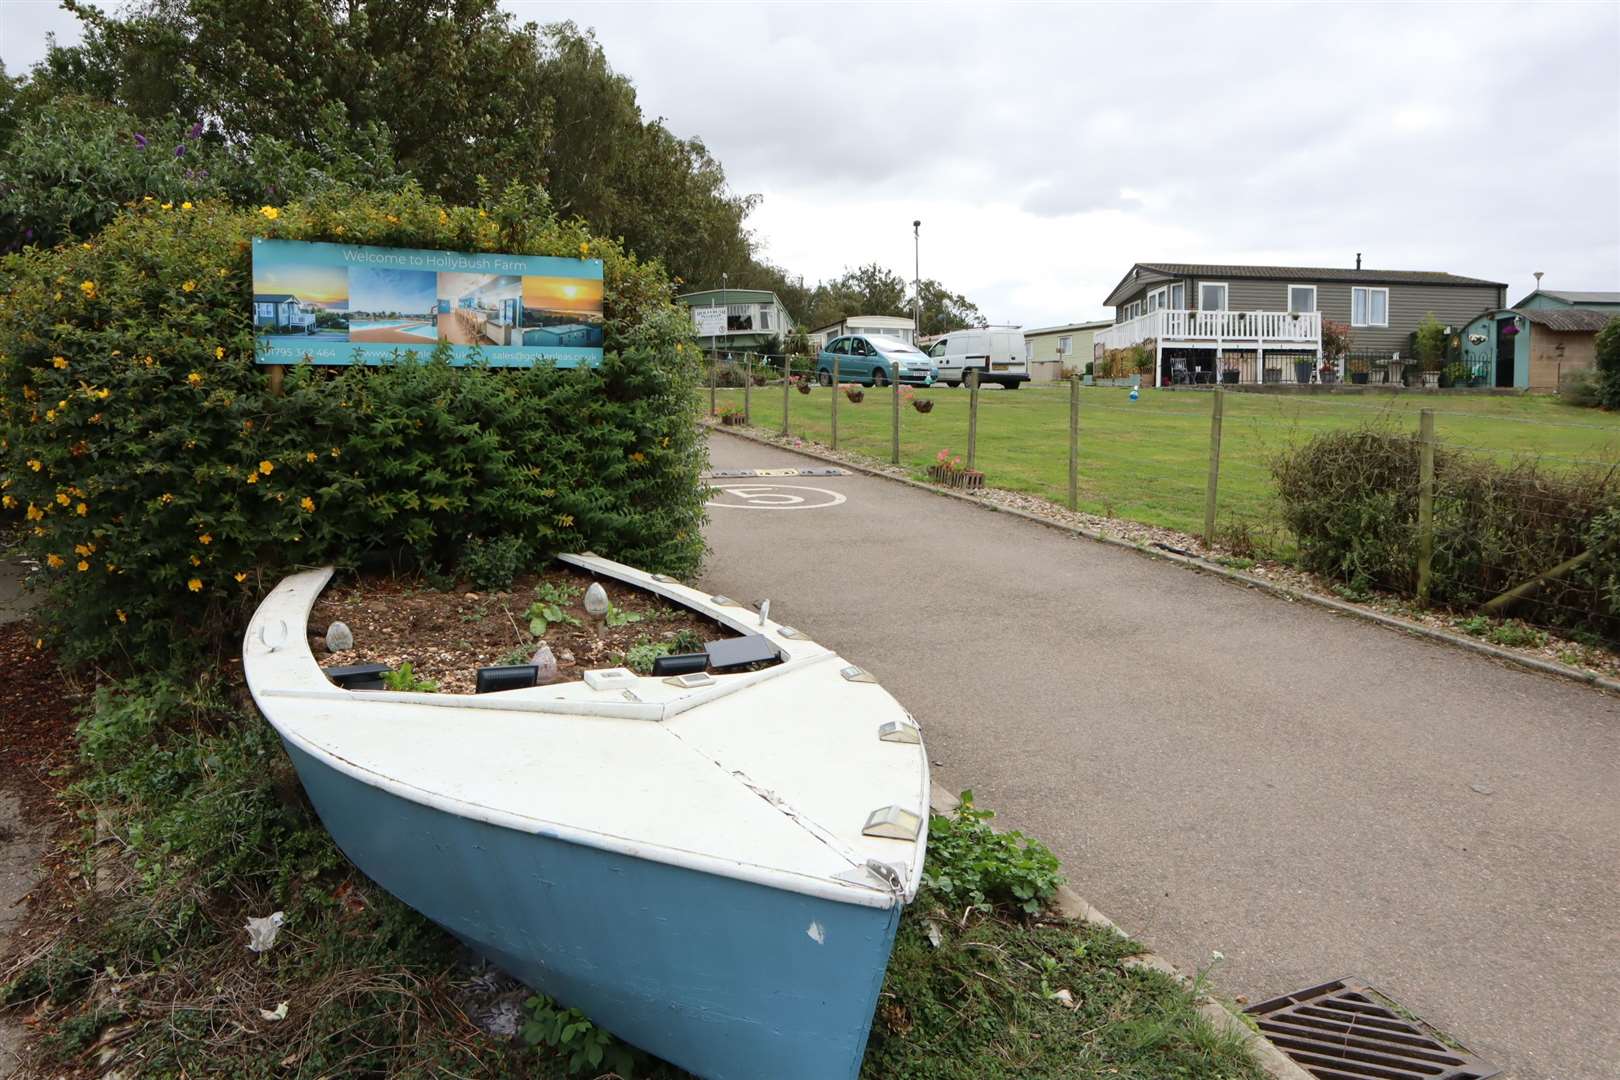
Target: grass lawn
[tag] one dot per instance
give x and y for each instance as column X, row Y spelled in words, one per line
column 1149, row 460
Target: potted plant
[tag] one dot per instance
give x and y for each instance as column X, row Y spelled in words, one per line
column 1328, row 373
column 731, row 416
column 802, row 383
column 1454, row 374
column 1229, row 376
column 1302, row 370
column 1360, row 371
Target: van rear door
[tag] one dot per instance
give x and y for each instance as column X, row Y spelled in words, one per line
column 1007, row 353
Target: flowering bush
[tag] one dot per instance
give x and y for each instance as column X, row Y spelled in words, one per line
column 162, row 488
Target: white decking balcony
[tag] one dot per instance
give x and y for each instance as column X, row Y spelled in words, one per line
column 1259, row 330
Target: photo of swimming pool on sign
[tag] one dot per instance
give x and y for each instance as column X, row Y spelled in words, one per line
column 343, row 304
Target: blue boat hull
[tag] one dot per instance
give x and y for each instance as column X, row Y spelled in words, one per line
column 724, row 978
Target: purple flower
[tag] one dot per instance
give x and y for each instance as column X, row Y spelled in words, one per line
column 180, row 151
column 196, row 130
column 140, row 140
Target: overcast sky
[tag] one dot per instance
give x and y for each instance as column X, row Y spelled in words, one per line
column 1048, row 147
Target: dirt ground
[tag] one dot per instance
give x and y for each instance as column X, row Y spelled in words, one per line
column 447, row 636
column 36, row 738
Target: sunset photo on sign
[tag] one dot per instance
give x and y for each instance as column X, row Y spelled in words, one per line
column 562, row 311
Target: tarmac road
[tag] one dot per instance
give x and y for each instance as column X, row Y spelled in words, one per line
column 1220, row 769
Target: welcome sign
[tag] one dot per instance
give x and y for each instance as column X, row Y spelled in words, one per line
column 352, row 303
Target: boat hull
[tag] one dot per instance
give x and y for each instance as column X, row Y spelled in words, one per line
column 729, row 979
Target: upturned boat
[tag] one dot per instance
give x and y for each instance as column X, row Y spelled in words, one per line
column 712, row 866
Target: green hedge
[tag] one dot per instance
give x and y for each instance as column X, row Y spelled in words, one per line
column 162, row 488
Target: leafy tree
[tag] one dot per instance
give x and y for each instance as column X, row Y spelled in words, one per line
column 1608, row 364
column 944, row 311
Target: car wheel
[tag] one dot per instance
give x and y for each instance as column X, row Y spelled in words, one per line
column 880, row 377
column 824, row 377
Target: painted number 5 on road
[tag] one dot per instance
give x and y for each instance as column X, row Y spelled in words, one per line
column 773, row 497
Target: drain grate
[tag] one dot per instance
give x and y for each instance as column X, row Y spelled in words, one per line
column 1346, row 1030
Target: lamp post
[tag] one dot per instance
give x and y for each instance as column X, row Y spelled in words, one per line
column 916, row 280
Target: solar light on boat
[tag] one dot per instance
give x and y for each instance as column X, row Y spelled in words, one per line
column 892, row 823
column 695, row 679
column 857, row 674
column 764, row 611
column 899, row 731
column 613, row 678
column 722, row 600
column 507, row 677
column 787, row 631
column 680, row 663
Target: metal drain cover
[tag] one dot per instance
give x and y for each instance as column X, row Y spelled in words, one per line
column 1346, row 1030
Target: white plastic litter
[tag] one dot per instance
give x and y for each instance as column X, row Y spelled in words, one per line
column 262, row 932
column 339, row 637
column 277, row 1013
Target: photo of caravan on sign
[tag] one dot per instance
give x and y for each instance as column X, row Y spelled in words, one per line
column 350, row 303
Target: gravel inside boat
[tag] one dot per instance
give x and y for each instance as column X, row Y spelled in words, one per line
column 446, row 635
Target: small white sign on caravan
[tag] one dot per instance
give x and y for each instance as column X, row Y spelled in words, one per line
column 710, row 321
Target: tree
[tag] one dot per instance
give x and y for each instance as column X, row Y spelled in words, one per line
column 944, row 311
column 1607, row 348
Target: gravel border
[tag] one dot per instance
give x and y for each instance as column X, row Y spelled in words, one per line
column 1178, row 548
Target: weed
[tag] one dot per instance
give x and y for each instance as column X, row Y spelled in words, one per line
column 559, row 593
column 591, row 1050
column 617, row 616
column 544, row 614
column 640, row 656
column 1477, row 625
column 1516, row 635
column 407, row 680
column 492, row 563
column 520, row 654
column 971, row 863
column 686, row 641
column 1236, row 563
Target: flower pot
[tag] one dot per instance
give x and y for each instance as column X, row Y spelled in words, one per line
column 1229, row 376
column 731, row 419
column 855, row 396
column 923, row 405
column 1431, row 379
column 1329, row 376
column 1359, row 378
column 804, row 387
column 1271, row 375
column 1302, row 371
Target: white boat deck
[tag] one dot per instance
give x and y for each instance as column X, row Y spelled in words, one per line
column 767, row 776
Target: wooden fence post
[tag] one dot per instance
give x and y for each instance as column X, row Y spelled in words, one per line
column 748, row 387
column 1215, row 413
column 1425, row 503
column 894, row 411
column 278, row 372
column 836, row 390
column 1074, row 442
column 973, row 415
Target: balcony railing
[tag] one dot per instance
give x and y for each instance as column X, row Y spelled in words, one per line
column 1217, row 329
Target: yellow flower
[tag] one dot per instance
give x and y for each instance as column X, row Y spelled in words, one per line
column 189, row 286
column 266, row 468
column 103, row 394
column 307, row 504
column 165, row 498
column 205, row 539
column 334, row 451
column 253, row 478
column 240, row 576
column 9, row 502
column 34, row 513
column 195, row 584
column 83, row 549
column 87, row 245
column 310, row 457
column 196, row 561
column 393, row 220
column 36, row 464
column 146, row 198
column 584, row 248
column 120, row 612
column 565, row 520
column 340, row 230
column 219, row 352
column 88, row 288
column 59, row 362
column 82, row 509
column 168, row 206
column 195, row 378
column 62, row 497
column 83, row 566
column 54, row 561
column 186, row 205
column 638, row 457
column 270, row 212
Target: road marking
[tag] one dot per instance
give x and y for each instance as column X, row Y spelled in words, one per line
column 772, row 497
column 727, row 474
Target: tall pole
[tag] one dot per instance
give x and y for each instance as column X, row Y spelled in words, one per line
column 916, row 280
column 1425, row 504
column 1212, row 488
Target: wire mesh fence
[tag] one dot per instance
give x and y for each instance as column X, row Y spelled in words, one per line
column 1520, row 485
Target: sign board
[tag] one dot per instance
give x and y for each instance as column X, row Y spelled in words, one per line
column 710, row 321
column 354, row 304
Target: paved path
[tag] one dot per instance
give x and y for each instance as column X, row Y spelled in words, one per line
column 1220, row 769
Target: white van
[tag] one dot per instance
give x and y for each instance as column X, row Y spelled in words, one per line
column 996, row 351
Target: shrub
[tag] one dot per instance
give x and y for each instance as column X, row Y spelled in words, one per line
column 969, row 863
column 492, row 563
column 1608, row 364
column 1429, row 343
column 1351, row 498
column 163, row 487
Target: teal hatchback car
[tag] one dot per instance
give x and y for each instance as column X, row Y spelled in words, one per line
column 870, row 359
